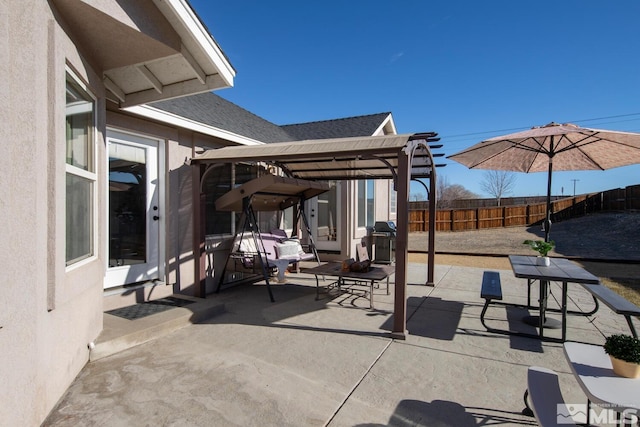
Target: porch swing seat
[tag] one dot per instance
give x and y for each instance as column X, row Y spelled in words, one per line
column 273, row 250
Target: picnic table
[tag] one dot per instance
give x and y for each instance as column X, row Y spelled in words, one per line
column 560, row 270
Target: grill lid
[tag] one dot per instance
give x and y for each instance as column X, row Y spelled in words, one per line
column 385, row 227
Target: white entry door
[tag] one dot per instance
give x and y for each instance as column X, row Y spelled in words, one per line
column 325, row 219
column 134, row 209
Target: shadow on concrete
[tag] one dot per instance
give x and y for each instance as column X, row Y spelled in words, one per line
column 515, row 321
column 247, row 304
column 434, row 317
column 443, row 413
column 428, row 317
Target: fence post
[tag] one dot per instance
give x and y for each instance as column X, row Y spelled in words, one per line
column 425, row 219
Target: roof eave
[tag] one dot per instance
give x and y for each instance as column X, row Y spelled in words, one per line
column 146, row 51
column 192, row 30
column 186, row 123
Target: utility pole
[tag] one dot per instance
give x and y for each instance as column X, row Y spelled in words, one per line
column 574, row 186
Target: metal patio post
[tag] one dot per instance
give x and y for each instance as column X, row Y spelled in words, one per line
column 402, row 237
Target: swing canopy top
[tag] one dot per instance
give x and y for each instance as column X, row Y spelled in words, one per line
column 270, row 193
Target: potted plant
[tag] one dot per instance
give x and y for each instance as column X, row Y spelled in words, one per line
column 624, row 351
column 543, row 248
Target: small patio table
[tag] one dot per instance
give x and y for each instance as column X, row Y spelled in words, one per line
column 591, row 367
column 560, row 270
column 373, row 275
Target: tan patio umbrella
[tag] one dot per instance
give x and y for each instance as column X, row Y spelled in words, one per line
column 552, row 147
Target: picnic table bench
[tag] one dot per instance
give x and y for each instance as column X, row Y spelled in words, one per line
column 615, row 302
column 491, row 290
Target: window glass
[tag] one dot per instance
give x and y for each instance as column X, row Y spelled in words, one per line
column 393, row 199
column 79, row 126
column 366, row 203
column 328, row 214
column 371, row 211
column 287, row 219
column 79, row 221
column 362, row 203
column 127, row 204
column 217, row 181
column 244, row 173
column 80, row 172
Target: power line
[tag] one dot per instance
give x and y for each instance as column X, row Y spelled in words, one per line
column 483, row 133
column 605, row 118
column 528, row 127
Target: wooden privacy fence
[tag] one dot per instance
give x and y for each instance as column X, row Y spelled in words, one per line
column 510, row 216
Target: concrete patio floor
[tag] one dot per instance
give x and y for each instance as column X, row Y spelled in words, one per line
column 307, row 362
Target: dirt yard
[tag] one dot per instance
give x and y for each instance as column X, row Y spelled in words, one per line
column 606, row 244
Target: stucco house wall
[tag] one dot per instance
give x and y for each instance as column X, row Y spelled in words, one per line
column 48, row 313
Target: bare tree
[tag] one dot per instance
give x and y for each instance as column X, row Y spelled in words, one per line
column 447, row 193
column 498, row 183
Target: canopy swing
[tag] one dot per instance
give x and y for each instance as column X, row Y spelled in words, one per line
column 396, row 157
column 261, row 252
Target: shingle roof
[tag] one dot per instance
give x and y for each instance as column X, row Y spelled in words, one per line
column 213, row 110
column 337, row 128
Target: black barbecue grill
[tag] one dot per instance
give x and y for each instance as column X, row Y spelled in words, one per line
column 384, row 235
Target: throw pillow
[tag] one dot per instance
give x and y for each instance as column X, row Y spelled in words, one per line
column 287, row 249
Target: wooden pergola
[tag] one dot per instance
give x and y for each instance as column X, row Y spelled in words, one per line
column 401, row 158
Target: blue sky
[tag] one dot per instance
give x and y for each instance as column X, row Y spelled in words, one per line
column 468, row 70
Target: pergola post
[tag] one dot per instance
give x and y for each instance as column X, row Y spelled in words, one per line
column 431, row 228
column 199, row 233
column 431, row 256
column 402, row 238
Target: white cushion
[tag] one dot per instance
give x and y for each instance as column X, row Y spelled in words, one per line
column 248, row 244
column 287, row 249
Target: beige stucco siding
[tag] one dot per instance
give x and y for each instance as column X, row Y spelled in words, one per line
column 111, row 31
column 47, row 314
column 180, row 212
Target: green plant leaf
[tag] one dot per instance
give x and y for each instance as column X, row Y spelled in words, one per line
column 540, row 246
column 623, row 347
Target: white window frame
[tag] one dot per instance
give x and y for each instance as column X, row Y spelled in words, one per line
column 91, row 175
column 366, row 199
column 393, row 199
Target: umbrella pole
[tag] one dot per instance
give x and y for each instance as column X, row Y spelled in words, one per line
column 547, row 221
